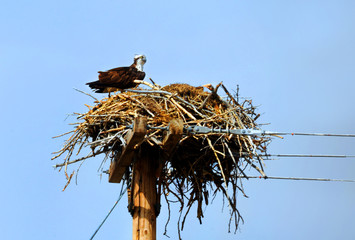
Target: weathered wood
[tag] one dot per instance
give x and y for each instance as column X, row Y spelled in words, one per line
column 144, row 197
column 176, row 128
column 171, row 139
column 134, row 137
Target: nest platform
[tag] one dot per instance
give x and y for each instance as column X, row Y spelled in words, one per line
column 192, row 167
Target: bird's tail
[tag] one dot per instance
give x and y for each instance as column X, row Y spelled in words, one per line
column 96, row 86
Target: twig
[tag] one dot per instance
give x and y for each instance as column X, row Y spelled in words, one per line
column 146, row 83
column 61, row 135
column 158, row 86
column 86, row 94
column 78, row 160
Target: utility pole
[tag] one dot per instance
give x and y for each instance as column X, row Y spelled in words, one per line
column 147, row 164
column 144, row 197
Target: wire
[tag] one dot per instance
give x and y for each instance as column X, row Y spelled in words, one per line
column 310, row 134
column 309, row 155
column 122, row 192
column 297, row 155
column 195, row 129
column 297, row 178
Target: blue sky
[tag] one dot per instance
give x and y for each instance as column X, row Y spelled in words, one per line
column 293, row 58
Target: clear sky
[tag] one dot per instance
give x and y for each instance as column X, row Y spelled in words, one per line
column 293, row 58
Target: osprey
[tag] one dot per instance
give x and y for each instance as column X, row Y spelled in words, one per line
column 120, row 78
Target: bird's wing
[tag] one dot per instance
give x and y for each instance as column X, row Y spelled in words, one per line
column 121, row 78
column 140, row 75
column 113, row 75
column 118, row 69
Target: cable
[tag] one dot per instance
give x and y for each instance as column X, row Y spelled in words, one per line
column 122, row 192
column 195, row 129
column 298, row 178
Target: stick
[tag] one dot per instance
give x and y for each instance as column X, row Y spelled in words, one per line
column 146, row 83
column 86, row 94
column 78, row 160
column 182, row 109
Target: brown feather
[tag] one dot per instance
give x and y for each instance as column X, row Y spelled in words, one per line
column 117, row 79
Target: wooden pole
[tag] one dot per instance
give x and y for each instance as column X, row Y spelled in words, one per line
column 133, row 138
column 146, row 170
column 148, row 162
column 144, row 196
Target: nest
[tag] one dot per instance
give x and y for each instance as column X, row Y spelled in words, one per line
column 202, row 164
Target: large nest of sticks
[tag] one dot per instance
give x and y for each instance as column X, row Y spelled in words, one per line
column 202, row 164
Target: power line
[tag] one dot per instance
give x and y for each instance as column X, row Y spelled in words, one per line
column 309, row 155
column 309, row 134
column 246, row 131
column 122, row 192
column 299, row 178
column 299, row 155
column 258, row 132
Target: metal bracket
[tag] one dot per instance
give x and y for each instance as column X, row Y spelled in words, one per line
column 204, row 130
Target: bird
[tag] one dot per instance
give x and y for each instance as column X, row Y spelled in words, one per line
column 120, row 78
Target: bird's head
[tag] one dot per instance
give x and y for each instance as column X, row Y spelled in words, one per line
column 140, row 56
column 140, row 60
